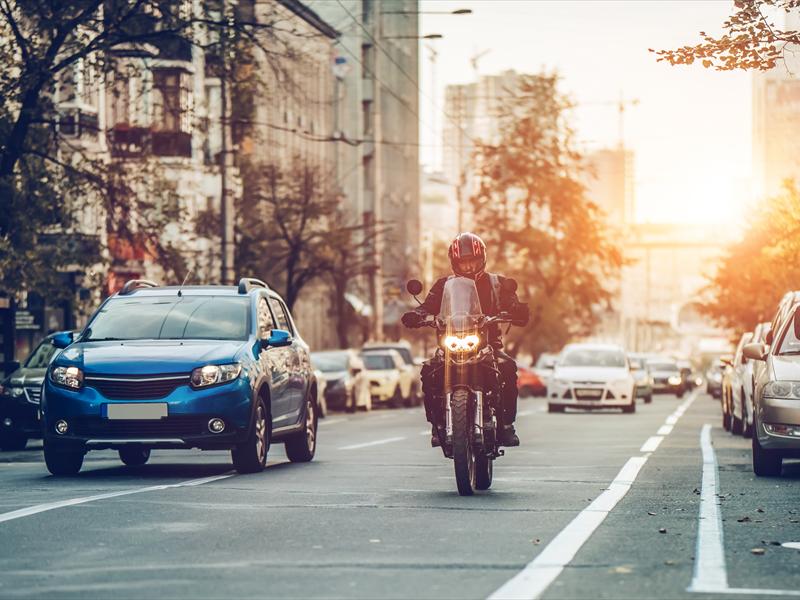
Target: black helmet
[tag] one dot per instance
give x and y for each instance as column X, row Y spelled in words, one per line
column 467, row 255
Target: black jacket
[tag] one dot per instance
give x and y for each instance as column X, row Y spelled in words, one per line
column 493, row 302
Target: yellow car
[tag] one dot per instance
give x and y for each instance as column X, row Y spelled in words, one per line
column 384, row 373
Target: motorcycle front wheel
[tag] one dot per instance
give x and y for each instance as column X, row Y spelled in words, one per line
column 463, row 455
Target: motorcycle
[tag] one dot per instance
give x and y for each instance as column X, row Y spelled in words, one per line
column 471, row 383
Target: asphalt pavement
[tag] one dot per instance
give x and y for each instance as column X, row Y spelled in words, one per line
column 591, row 505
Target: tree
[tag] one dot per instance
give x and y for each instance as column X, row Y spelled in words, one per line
column 532, row 209
column 47, row 182
column 756, row 271
column 752, row 40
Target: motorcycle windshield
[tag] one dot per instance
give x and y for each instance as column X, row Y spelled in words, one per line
column 461, row 307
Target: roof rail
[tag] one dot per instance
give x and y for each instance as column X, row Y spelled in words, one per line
column 134, row 284
column 248, row 283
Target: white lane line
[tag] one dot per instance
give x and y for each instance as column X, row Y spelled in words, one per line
column 374, row 443
column 40, row 508
column 327, row 421
column 664, row 430
column 710, row 572
column 652, row 443
column 535, row 578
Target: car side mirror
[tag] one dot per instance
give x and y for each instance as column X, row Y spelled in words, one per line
column 755, row 351
column 278, row 338
column 63, row 339
column 414, row 287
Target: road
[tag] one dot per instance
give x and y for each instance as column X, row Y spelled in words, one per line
column 591, row 505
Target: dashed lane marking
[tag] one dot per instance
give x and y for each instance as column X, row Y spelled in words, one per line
column 373, row 443
column 652, row 443
column 40, row 508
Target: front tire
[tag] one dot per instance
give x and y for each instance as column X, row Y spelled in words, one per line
column 134, row 457
column 555, row 408
column 648, row 399
column 62, row 463
column 631, row 408
column 766, row 463
column 251, row 455
column 737, row 427
column 484, row 469
column 300, row 447
column 463, row 455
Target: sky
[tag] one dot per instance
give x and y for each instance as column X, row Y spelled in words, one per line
column 691, row 128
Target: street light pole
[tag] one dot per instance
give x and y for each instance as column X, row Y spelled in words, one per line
column 226, row 201
column 377, row 199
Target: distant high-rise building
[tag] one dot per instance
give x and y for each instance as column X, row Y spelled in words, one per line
column 610, row 183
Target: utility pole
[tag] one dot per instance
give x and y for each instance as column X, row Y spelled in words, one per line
column 376, row 285
column 226, row 200
column 460, row 154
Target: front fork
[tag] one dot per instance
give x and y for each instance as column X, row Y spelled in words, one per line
column 478, row 415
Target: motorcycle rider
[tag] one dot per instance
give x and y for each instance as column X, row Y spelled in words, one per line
column 467, row 256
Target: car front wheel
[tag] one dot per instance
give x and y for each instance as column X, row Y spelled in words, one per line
column 301, row 446
column 61, row 462
column 766, row 463
column 251, row 455
column 134, row 457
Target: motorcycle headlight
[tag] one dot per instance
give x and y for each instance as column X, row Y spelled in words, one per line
column 214, row 374
column 68, row 377
column 674, row 380
column 782, row 389
column 468, row 343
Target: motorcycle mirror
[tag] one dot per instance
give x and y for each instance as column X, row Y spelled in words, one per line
column 414, row 287
column 510, row 285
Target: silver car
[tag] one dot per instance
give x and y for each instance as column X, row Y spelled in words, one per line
column 776, row 415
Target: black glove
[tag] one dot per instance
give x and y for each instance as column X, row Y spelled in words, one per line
column 412, row 319
column 520, row 314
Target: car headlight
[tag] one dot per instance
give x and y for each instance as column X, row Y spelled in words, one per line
column 214, row 374
column 468, row 343
column 68, row 377
column 674, row 379
column 782, row 389
column 15, row 392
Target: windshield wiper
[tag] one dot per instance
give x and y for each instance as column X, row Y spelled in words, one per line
column 105, row 339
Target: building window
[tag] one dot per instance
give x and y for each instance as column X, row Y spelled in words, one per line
column 171, row 100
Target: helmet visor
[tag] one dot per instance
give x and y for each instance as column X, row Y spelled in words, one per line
column 469, row 266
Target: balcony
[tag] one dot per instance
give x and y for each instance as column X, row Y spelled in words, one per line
column 137, row 142
column 172, row 143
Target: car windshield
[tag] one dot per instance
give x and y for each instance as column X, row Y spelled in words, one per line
column 171, row 318
column 40, row 357
column 461, row 306
column 328, row 363
column 636, row 364
column 592, row 357
column 662, row 366
column 378, row 362
column 790, row 344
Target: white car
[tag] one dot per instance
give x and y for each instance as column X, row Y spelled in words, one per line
column 410, row 383
column 592, row 376
column 384, row 372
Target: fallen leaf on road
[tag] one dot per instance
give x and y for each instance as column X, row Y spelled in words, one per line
column 744, row 520
column 536, row 541
column 651, row 513
column 757, row 551
column 662, row 530
column 761, row 510
column 622, row 570
column 669, row 562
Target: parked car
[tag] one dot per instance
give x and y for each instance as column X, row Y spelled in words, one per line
column 642, row 377
column 733, row 384
column 20, row 396
column 714, row 380
column 544, row 366
column 592, row 376
column 776, row 414
column 322, row 404
column 752, row 370
column 410, row 382
column 346, row 383
column 209, row 367
column 529, row 383
column 725, row 396
column 384, row 372
column 666, row 376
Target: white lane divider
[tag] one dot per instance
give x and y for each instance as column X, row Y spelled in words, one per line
column 710, row 573
column 536, row 577
column 373, row 443
column 40, row 508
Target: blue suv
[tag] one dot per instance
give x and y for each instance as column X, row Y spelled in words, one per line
column 209, row 367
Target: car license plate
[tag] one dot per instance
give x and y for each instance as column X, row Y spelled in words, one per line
column 588, row 394
column 148, row 411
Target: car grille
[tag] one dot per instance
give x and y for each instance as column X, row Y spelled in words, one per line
column 34, row 394
column 178, row 426
column 136, row 388
column 588, row 393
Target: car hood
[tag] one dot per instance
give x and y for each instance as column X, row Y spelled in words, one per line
column 591, row 373
column 143, row 357
column 786, row 368
column 23, row 376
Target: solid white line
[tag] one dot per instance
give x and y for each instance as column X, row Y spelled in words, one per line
column 710, row 575
column 40, row 508
column 375, row 443
column 537, row 576
column 651, row 444
column 664, row 430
